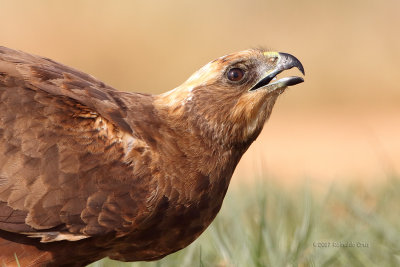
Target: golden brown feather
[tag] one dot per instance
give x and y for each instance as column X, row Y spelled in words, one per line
column 87, row 171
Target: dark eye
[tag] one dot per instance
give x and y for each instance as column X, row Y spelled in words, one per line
column 235, row 74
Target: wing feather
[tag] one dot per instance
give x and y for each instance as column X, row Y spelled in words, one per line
column 63, row 137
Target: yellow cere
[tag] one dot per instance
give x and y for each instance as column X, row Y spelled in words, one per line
column 271, row 54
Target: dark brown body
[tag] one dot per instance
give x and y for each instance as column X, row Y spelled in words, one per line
column 138, row 183
column 87, row 171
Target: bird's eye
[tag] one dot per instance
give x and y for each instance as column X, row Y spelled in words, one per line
column 235, row 74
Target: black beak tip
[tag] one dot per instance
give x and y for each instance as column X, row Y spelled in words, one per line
column 291, row 61
column 301, row 68
column 294, row 81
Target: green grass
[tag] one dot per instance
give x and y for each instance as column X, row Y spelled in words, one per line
column 268, row 225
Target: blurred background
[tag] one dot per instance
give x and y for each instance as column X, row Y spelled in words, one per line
column 338, row 131
column 341, row 125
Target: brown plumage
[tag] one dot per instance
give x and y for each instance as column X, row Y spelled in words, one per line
column 87, row 171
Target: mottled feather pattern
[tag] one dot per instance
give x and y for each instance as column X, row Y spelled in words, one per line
column 70, row 137
column 70, row 141
column 52, row 140
column 87, row 171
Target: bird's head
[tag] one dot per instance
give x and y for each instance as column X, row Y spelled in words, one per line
column 230, row 98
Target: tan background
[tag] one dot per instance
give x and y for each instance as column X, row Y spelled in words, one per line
column 342, row 124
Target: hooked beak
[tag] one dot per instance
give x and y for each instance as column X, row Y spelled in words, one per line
column 284, row 62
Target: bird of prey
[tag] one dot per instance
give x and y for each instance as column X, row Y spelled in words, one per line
column 87, row 171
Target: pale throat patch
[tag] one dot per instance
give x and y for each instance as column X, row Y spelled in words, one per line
column 254, row 123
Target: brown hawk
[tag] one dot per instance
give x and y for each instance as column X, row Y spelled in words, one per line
column 87, row 171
